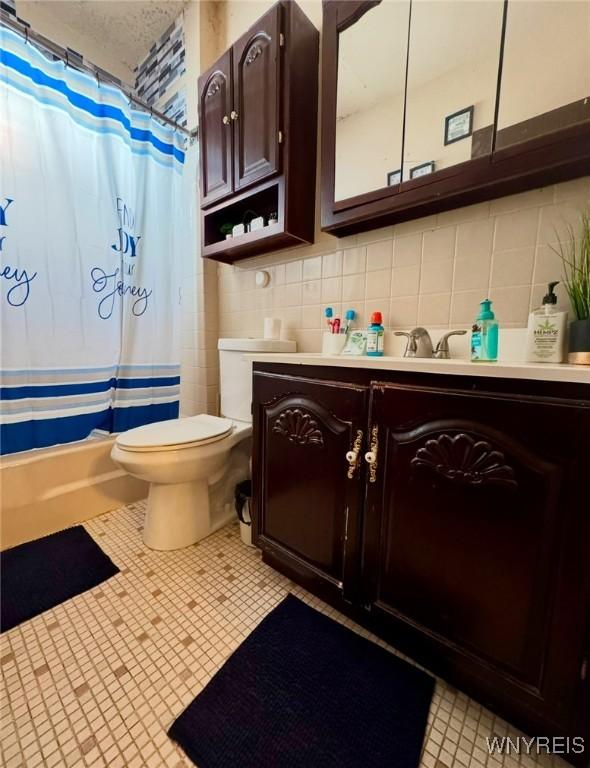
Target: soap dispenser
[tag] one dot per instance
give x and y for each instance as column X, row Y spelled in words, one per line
column 546, row 331
column 484, row 335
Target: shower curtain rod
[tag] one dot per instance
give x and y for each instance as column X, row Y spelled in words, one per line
column 78, row 63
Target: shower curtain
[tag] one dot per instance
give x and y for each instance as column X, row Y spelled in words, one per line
column 92, row 224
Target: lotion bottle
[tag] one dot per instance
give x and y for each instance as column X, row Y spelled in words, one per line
column 546, row 331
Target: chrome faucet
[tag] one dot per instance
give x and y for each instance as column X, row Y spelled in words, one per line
column 420, row 344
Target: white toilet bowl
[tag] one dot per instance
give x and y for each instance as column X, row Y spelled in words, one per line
column 183, row 459
column 194, row 464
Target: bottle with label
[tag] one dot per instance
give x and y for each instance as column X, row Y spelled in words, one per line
column 375, row 336
column 484, row 335
column 545, row 342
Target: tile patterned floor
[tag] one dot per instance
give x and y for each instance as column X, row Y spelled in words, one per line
column 98, row 680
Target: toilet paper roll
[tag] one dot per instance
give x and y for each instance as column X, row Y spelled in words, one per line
column 272, row 327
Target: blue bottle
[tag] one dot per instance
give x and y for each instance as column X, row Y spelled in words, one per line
column 375, row 334
column 484, row 335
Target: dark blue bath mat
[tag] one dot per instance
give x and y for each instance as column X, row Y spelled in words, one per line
column 302, row 691
column 41, row 574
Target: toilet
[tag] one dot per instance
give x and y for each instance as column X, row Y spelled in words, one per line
column 194, row 463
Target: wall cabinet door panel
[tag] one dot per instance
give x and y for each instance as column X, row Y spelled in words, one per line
column 256, row 110
column 307, row 501
column 464, row 525
column 215, row 95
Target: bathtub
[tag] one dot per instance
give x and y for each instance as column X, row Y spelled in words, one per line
column 45, row 490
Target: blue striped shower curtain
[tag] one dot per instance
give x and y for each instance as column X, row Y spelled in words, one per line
column 93, row 203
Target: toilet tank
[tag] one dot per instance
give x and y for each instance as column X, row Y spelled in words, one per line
column 235, row 373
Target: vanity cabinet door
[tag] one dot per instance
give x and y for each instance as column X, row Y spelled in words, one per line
column 306, row 496
column 473, row 535
column 216, row 146
column 255, row 114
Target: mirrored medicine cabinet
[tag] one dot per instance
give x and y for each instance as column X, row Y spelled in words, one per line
column 433, row 104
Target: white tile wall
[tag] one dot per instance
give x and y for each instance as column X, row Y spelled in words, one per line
column 199, row 369
column 432, row 271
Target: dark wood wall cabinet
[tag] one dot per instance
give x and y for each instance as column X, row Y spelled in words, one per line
column 495, row 102
column 449, row 515
column 258, row 126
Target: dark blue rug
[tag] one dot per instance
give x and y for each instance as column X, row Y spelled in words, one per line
column 41, row 574
column 302, row 691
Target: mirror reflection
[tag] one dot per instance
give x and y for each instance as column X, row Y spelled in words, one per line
column 546, row 43
column 370, row 98
column 452, row 79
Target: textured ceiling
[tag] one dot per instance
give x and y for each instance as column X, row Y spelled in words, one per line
column 130, row 27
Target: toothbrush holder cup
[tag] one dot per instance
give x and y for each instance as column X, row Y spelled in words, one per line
column 333, row 343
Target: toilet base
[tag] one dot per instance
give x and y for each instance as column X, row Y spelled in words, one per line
column 177, row 515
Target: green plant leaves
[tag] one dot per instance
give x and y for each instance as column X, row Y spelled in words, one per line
column 575, row 257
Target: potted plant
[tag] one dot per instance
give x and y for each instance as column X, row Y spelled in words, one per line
column 226, row 230
column 575, row 257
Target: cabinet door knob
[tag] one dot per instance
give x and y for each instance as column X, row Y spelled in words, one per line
column 225, row 120
column 233, row 114
column 371, row 456
column 352, row 456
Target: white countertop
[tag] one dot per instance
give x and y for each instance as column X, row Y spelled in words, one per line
column 459, row 367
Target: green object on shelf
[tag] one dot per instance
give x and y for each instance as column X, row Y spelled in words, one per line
column 226, row 229
column 575, row 257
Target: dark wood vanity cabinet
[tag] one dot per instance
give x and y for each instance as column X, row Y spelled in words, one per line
column 471, row 512
column 257, row 144
column 303, row 433
column 464, row 541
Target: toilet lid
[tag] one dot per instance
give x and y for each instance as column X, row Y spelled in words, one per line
column 175, row 433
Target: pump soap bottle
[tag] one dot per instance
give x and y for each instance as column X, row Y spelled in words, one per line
column 484, row 335
column 545, row 339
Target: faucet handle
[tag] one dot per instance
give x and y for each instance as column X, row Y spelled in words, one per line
column 411, row 347
column 419, row 343
column 442, row 348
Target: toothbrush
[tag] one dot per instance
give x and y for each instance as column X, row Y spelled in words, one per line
column 350, row 315
column 328, row 313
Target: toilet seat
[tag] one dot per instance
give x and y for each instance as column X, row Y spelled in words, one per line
column 175, row 434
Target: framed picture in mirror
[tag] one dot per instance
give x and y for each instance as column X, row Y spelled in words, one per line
column 459, row 125
column 394, row 177
column 422, row 170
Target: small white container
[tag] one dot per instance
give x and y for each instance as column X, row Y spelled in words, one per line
column 272, row 327
column 333, row 343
